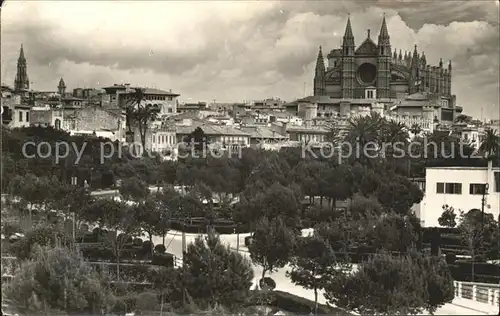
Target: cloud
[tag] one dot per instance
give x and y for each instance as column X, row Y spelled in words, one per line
column 233, row 51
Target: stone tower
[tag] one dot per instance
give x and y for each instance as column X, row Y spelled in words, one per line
column 319, row 75
column 348, row 62
column 21, row 83
column 384, row 62
column 61, row 88
column 414, row 80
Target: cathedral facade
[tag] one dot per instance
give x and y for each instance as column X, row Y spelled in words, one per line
column 374, row 71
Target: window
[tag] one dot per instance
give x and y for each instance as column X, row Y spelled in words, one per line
column 154, row 138
column 169, row 110
column 170, row 98
column 477, row 188
column 20, row 116
column 453, row 188
column 497, row 181
column 27, row 116
column 440, row 187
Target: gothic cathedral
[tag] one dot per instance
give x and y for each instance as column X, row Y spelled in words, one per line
column 373, row 71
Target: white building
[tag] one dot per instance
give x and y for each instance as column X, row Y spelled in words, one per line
column 460, row 188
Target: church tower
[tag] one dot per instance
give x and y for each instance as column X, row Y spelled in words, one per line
column 319, row 75
column 414, row 80
column 384, row 62
column 61, row 88
column 21, row 83
column 348, row 63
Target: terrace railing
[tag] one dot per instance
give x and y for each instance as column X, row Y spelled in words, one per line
column 478, row 292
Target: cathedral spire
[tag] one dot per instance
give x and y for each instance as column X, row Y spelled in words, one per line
column 348, row 45
column 449, row 66
column 21, row 54
column 440, row 62
column 319, row 75
column 21, row 82
column 424, row 61
column 61, row 88
column 384, row 34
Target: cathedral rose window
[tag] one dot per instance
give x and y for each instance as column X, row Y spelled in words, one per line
column 367, row 73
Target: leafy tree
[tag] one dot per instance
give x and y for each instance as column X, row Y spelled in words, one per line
column 479, row 234
column 272, row 244
column 119, row 220
column 214, row 274
column 41, row 236
column 58, row 279
column 134, row 189
column 313, row 264
column 447, row 219
column 149, row 215
column 390, row 285
column 198, row 139
column 392, row 232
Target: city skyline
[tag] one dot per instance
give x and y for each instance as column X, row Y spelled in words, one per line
column 233, row 51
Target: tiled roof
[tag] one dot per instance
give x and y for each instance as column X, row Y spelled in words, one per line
column 262, row 132
column 146, row 90
column 310, row 130
column 211, row 129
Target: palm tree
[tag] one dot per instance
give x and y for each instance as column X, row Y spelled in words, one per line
column 490, row 144
column 141, row 114
column 415, row 129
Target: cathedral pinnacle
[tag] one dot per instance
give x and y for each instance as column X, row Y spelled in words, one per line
column 384, row 34
column 21, row 54
column 440, row 62
column 21, row 82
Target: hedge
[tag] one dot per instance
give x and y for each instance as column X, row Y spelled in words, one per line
column 483, row 272
column 165, row 259
column 293, row 303
column 201, row 227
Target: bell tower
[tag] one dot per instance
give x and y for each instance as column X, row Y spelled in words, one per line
column 384, row 62
column 21, row 83
column 348, row 63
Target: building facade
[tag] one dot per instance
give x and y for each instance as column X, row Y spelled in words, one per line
column 460, row 188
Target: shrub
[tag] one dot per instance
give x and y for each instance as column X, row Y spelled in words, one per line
column 248, row 240
column 296, row 304
column 267, row 282
column 166, row 260
column 451, row 258
column 160, row 249
column 137, row 242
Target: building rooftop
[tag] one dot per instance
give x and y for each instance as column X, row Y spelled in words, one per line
column 150, row 91
column 211, row 129
column 263, row 132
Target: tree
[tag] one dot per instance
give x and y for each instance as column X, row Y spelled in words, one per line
column 447, row 219
column 479, row 235
column 42, row 236
column 392, row 285
column 134, row 189
column 415, row 129
column 313, row 264
column 141, row 114
column 491, row 143
column 272, row 244
column 198, row 139
column 58, row 279
column 119, row 220
column 214, row 274
column 148, row 215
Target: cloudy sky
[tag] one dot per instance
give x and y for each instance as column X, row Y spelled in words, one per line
column 234, row 51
